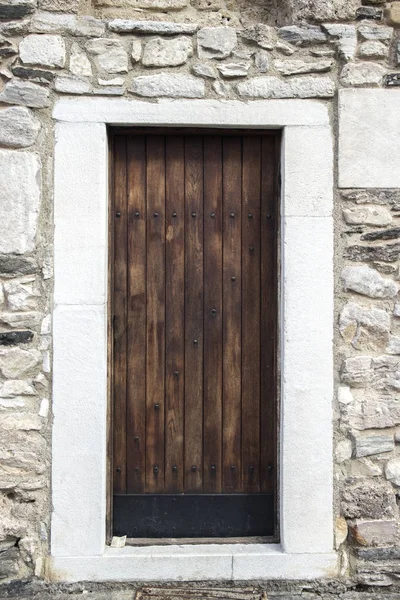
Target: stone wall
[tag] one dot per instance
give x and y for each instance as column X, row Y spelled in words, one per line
column 242, row 49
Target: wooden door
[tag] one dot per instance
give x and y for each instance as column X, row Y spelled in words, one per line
column 195, row 311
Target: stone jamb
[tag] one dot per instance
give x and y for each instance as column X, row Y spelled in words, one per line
column 78, row 543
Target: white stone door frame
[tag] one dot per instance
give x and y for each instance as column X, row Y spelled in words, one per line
column 78, row 530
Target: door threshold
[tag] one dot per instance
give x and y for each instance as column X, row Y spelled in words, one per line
column 192, row 541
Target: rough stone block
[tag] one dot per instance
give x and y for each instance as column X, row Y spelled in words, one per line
column 149, row 4
column 20, row 195
column 152, row 27
column 13, row 338
column 360, row 74
column 369, row 444
column 160, row 52
column 46, row 22
column 372, row 410
column 343, row 451
column 72, row 85
column 357, row 371
column 373, row 49
column 16, row 265
column 79, row 64
column 393, row 13
column 389, row 253
column 24, row 93
column 374, row 533
column 386, row 372
column 9, row 563
column 297, row 67
column 346, row 36
column 261, row 61
column 375, row 32
column 19, row 450
column 15, row 362
column 263, row 35
column 136, row 50
column 44, row 50
column 110, row 55
column 7, row 49
column 33, row 75
column 297, row 87
column 368, row 282
column 69, row 6
column 16, row 9
column 21, row 422
column 232, row 70
column 365, row 328
column 19, row 128
column 392, row 471
column 323, row 10
column 22, row 293
column 204, row 70
column 174, row 86
column 28, row 319
column 377, row 216
column 369, row 12
column 16, row 387
column 371, row 499
column 216, row 42
column 310, row 34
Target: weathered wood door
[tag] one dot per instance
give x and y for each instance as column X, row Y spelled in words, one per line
column 195, row 311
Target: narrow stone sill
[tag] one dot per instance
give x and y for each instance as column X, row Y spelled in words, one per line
column 213, row 562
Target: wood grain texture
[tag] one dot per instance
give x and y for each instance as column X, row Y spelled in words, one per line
column 136, row 318
column 212, row 399
column 175, row 308
column 251, row 251
column 269, row 298
column 193, row 314
column 120, row 315
column 194, row 287
column 232, row 330
column 155, row 353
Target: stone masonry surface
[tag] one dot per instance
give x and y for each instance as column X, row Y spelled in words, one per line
column 235, row 49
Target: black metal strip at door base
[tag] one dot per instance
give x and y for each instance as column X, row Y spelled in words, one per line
column 191, row 516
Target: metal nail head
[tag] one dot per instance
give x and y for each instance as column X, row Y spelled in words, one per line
column 118, row 214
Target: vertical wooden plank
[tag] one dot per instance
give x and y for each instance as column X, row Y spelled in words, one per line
column 193, row 313
column 174, row 306
column 136, row 360
column 155, row 334
column 212, row 434
column 251, row 313
column 120, row 310
column 269, row 220
column 232, row 188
